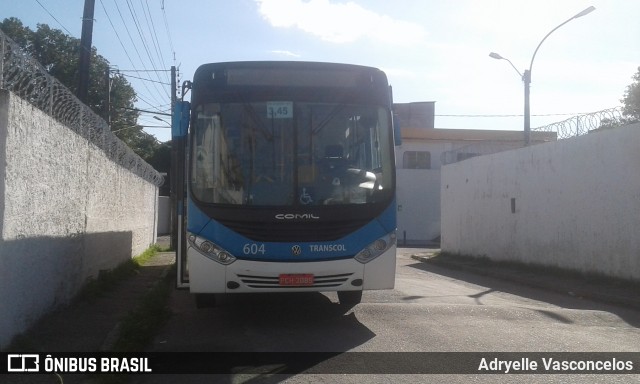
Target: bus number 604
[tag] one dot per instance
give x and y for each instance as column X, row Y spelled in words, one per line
column 253, row 249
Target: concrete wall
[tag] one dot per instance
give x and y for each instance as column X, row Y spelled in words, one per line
column 164, row 215
column 573, row 204
column 67, row 212
column 418, row 190
column 418, row 197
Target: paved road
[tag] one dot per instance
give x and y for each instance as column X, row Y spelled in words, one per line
column 432, row 309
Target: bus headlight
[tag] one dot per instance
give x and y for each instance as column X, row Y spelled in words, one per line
column 376, row 248
column 211, row 250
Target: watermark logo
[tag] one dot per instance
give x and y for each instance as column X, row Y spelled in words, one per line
column 23, row 363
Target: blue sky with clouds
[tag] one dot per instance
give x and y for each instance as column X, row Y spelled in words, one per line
column 431, row 50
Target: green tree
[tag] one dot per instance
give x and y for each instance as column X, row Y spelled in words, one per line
column 630, row 107
column 631, row 100
column 161, row 161
column 58, row 53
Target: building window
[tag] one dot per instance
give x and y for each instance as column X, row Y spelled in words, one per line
column 416, row 160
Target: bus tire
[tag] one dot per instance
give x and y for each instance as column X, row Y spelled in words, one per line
column 205, row 300
column 349, row 298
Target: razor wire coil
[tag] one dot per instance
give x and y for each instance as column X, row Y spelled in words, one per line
column 582, row 124
column 23, row 76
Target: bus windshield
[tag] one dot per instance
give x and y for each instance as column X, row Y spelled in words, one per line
column 285, row 153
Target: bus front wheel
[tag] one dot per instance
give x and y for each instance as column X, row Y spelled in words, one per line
column 349, row 298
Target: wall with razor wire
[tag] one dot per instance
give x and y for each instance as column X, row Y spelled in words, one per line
column 74, row 200
column 586, row 123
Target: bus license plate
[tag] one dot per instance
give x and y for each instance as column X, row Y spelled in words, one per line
column 296, row 280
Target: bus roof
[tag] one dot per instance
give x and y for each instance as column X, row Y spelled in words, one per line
column 288, row 73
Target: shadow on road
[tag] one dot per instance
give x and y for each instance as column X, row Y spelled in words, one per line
column 560, row 293
column 264, row 322
column 274, row 332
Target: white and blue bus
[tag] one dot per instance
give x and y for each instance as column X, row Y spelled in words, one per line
column 288, row 182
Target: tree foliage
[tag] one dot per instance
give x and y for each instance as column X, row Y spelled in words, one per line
column 631, row 100
column 161, row 161
column 59, row 53
column 630, row 106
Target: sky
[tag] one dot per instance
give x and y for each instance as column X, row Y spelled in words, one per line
column 431, row 50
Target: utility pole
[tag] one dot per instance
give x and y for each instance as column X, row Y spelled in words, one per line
column 527, row 108
column 173, row 243
column 107, row 99
column 174, row 86
column 85, row 50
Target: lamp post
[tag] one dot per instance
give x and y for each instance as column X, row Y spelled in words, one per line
column 526, row 76
column 159, row 119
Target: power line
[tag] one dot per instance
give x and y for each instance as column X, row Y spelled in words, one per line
column 127, row 53
column 166, row 27
column 538, row 115
column 135, row 48
column 144, row 111
column 136, row 22
column 54, row 18
column 147, row 70
column 156, row 96
column 151, row 105
column 154, row 35
column 145, row 79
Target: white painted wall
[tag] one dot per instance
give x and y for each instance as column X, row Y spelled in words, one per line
column 164, row 215
column 418, row 190
column 418, row 198
column 577, row 204
column 67, row 212
column 418, row 195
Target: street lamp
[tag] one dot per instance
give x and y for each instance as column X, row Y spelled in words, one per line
column 498, row 57
column 157, row 118
column 526, row 77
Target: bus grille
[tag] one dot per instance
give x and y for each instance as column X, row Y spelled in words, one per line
column 295, row 231
column 328, row 281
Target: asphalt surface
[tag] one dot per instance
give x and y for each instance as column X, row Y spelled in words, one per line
column 610, row 291
column 92, row 326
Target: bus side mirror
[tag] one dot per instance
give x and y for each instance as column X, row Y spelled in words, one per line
column 180, row 119
column 397, row 136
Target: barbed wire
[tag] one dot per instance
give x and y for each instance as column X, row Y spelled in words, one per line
column 582, row 124
column 26, row 78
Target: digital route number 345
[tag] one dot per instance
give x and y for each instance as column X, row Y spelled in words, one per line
column 280, row 110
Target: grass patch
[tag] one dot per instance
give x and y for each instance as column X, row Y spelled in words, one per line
column 92, row 290
column 141, row 325
column 107, row 280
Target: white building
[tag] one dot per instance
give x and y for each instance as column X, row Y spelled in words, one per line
column 423, row 152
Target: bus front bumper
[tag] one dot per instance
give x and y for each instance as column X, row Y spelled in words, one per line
column 242, row 276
